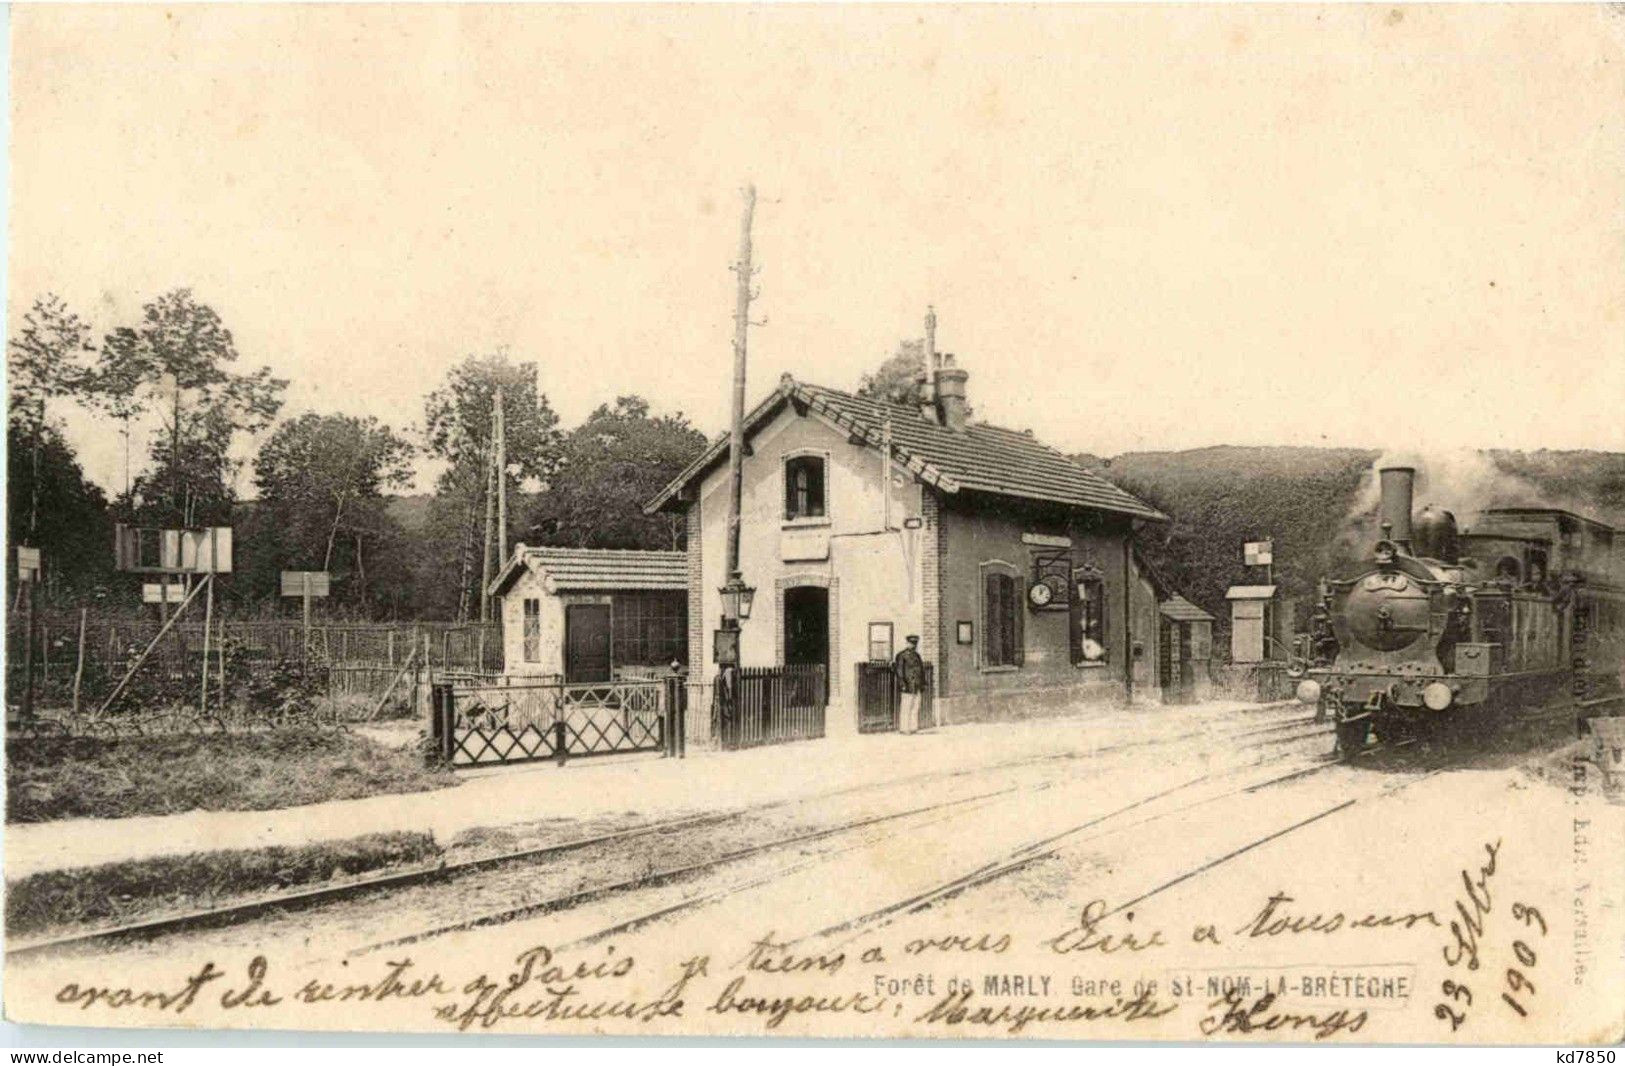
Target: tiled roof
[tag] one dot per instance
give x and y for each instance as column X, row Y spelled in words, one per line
column 982, row 458
column 1177, row 608
column 596, row 568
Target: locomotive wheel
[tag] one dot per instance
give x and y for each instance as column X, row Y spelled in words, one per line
column 1352, row 736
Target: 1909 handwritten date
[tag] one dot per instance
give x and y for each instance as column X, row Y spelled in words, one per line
column 1474, row 906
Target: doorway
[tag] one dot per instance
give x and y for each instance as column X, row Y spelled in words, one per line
column 806, row 627
column 586, row 643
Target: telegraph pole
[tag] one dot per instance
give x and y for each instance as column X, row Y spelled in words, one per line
column 490, row 512
column 736, row 436
column 502, row 481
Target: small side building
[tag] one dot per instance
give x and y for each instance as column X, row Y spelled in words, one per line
column 589, row 615
column 1252, row 622
column 1184, row 651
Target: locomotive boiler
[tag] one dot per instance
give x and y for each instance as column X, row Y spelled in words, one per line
column 1450, row 626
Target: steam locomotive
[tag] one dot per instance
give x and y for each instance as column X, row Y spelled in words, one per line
column 1449, row 626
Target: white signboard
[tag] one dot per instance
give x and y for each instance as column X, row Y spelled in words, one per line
column 28, row 564
column 157, row 592
column 304, row 582
column 1258, row 552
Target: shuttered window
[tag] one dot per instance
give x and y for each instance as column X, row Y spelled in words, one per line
column 1001, row 619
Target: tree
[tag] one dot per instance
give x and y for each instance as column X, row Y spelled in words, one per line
column 175, row 363
column 321, row 482
column 457, row 424
column 46, row 359
column 71, row 524
column 611, row 465
column 896, row 380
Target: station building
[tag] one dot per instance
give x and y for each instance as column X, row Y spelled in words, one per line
column 864, row 521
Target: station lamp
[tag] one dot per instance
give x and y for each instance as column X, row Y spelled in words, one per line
column 737, row 599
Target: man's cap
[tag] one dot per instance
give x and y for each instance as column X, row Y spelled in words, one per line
column 912, row 639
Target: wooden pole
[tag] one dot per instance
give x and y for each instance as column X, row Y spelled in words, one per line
column 736, row 435
column 306, row 578
column 502, row 481
column 28, row 651
column 79, row 664
column 208, row 628
column 490, row 515
column 220, row 659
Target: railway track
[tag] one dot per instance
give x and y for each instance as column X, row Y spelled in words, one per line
column 444, row 874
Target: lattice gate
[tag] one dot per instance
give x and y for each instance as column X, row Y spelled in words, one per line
column 488, row 724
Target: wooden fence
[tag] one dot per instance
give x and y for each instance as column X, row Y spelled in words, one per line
column 365, row 660
column 771, row 705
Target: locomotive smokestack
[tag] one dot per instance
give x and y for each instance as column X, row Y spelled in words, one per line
column 1397, row 485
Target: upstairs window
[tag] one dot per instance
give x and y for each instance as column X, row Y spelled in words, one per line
column 533, row 631
column 804, row 487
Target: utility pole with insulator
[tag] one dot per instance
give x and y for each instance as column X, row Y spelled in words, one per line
column 736, row 595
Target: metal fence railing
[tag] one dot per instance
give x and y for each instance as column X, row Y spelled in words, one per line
column 480, row 724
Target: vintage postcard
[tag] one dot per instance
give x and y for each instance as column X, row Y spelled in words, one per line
column 1054, row 523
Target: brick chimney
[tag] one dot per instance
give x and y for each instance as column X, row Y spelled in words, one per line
column 951, row 394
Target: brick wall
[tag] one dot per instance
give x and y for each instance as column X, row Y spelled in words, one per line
column 932, row 637
column 696, row 592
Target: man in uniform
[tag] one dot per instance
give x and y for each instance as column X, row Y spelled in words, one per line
column 910, row 671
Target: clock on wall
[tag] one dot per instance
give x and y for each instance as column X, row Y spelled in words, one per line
column 1047, row 591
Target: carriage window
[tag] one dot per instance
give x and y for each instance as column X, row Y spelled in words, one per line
column 804, row 487
column 1089, row 622
column 533, row 630
column 1001, row 620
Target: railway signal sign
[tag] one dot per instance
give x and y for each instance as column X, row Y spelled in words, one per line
column 172, row 551
column 162, row 592
column 1258, row 552
column 313, row 583
column 28, row 564
column 307, row 585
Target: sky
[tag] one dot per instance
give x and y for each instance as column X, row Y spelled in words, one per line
column 1149, row 228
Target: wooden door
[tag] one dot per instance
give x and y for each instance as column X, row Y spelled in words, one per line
column 586, row 643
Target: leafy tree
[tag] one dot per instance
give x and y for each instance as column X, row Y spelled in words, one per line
column 45, row 360
column 321, row 482
column 611, row 465
column 458, row 424
column 72, row 525
column 897, row 379
column 176, row 364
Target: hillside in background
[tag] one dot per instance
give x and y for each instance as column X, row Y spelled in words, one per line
column 1319, row 504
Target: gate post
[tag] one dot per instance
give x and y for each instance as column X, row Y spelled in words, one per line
column 672, row 691
column 441, row 721
column 561, row 743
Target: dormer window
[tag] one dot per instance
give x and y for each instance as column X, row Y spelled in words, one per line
column 804, row 487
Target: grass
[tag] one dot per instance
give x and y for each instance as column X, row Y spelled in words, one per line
column 52, row 778
column 123, row 891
